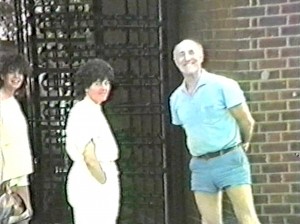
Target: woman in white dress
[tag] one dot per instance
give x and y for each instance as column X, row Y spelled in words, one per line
column 15, row 152
column 93, row 188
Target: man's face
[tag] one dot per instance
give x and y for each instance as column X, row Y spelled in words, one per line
column 13, row 80
column 188, row 57
column 99, row 91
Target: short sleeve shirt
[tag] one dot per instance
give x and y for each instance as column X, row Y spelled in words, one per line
column 87, row 122
column 205, row 115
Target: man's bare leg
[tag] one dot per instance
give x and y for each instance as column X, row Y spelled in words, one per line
column 210, row 207
column 242, row 200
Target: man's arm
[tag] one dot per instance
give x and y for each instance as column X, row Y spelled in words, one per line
column 245, row 121
column 93, row 163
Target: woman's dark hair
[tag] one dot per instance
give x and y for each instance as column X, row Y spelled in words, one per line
column 92, row 71
column 13, row 63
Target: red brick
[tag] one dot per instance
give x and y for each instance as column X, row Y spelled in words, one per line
column 290, row 30
column 295, row 146
column 290, row 157
column 258, row 117
column 291, row 136
column 294, row 41
column 272, row 32
column 229, row 23
column 255, row 168
column 294, row 83
column 273, row 117
column 290, row 8
column 271, row 96
column 277, row 219
column 266, row 2
column 259, row 178
column 257, row 96
column 273, row 10
column 291, row 115
column 274, row 147
column 272, row 53
column 272, row 63
column 261, row 199
column 263, row 219
column 272, row 42
column 245, row 86
column 274, row 168
column 272, row 21
column 275, row 178
column 290, row 94
column 275, row 199
column 273, row 137
column 256, row 188
column 292, row 219
column 290, row 52
column 296, row 209
column 291, row 177
column 230, row 44
column 236, row 3
column 271, row 158
column 253, row 106
column 293, row 105
column 294, row 167
column 293, row 126
column 271, row 106
column 271, row 127
column 271, row 85
column 294, row 62
column 295, row 187
column 294, row 19
column 248, row 12
column 257, row 158
column 258, row 137
column 228, row 65
column 275, row 188
column 290, row 73
column 291, row 198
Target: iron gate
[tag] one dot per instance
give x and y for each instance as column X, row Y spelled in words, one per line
column 62, row 34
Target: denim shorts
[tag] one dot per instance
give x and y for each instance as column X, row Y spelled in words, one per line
column 219, row 173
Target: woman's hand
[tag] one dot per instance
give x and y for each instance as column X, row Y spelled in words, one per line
column 4, row 187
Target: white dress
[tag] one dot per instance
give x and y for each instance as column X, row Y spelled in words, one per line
column 91, row 201
column 15, row 151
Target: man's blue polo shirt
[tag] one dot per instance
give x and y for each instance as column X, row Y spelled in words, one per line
column 204, row 116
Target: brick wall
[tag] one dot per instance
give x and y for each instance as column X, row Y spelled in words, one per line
column 257, row 42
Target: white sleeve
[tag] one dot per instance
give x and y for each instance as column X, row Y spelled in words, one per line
column 78, row 133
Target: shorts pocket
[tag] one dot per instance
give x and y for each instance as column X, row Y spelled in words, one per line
column 236, row 158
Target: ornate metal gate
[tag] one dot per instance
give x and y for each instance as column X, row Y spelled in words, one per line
column 62, row 34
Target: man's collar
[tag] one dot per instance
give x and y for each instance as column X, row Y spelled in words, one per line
column 203, row 79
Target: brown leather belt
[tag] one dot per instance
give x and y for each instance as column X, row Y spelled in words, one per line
column 211, row 155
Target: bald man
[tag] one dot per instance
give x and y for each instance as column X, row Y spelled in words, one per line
column 213, row 112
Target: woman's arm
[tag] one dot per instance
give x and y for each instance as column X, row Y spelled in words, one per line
column 93, row 163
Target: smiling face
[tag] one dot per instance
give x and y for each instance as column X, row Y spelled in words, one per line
column 188, row 57
column 99, row 91
column 12, row 81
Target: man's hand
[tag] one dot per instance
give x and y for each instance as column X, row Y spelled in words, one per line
column 246, row 146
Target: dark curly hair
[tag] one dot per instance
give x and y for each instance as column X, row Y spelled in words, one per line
column 12, row 63
column 92, row 71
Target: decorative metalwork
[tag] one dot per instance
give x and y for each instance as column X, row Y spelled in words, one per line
column 62, row 35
